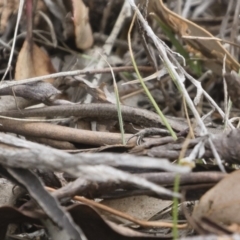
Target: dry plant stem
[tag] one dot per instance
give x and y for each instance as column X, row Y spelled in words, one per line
column 61, row 133
column 136, row 92
column 164, row 52
column 225, row 90
column 225, row 20
column 95, row 111
column 8, row 46
column 140, row 222
column 188, row 119
column 123, row 215
column 107, row 48
column 42, row 38
column 51, row 28
column 164, row 120
column 95, row 190
column 118, row 104
column 212, row 38
column 74, row 73
column 29, row 15
column 186, row 8
column 202, row 7
column 209, row 98
column 20, row 9
column 173, row 73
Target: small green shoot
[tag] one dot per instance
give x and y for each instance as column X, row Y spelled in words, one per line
column 173, row 134
column 120, row 119
column 195, row 65
column 175, row 207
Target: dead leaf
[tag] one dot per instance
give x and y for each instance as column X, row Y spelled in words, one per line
column 88, row 219
column 83, row 31
column 33, row 62
column 211, row 49
column 141, row 207
column 222, row 202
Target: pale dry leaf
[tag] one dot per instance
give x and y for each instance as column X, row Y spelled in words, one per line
column 83, row 31
column 33, row 62
column 211, row 49
column 222, row 202
column 141, row 207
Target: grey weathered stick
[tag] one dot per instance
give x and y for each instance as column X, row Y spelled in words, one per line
column 15, row 152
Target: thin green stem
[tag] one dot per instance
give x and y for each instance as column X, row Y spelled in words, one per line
column 146, row 89
column 175, row 207
column 120, row 119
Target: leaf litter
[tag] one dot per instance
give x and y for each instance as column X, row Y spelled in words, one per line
column 72, row 178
